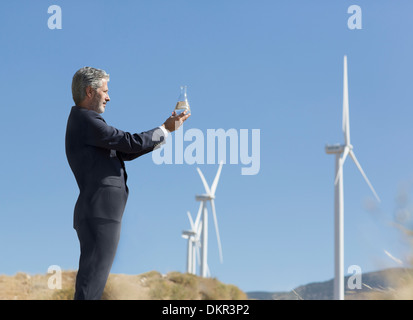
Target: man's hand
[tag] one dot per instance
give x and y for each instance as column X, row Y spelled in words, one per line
column 175, row 121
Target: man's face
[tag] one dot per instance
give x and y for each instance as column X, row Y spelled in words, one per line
column 100, row 97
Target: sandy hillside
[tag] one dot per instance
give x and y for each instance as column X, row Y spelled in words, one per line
column 147, row 286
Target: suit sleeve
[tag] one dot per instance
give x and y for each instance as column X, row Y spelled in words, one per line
column 129, row 146
column 159, row 134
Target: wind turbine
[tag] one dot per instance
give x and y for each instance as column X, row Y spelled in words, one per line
column 193, row 236
column 189, row 234
column 341, row 152
column 204, row 198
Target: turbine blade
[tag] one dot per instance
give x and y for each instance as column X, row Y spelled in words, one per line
column 339, row 172
column 215, row 183
column 353, row 156
column 344, row 95
column 198, row 216
column 198, row 233
column 191, row 221
column 342, row 159
column 198, row 256
column 346, row 116
column 204, row 181
column 217, row 231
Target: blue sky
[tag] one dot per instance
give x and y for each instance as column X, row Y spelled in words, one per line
column 270, row 65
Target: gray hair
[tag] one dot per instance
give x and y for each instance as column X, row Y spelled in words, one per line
column 86, row 77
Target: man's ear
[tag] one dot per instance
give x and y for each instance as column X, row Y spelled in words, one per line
column 89, row 91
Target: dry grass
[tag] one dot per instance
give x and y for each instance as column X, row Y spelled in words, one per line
column 403, row 290
column 401, row 284
column 147, row 286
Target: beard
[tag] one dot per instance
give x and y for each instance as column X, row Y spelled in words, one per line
column 98, row 105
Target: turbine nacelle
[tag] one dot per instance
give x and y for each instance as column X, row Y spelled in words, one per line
column 187, row 234
column 337, row 148
column 204, row 197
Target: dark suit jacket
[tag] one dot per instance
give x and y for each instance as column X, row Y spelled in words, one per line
column 96, row 153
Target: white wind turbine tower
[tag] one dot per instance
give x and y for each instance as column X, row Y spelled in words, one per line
column 204, row 198
column 193, row 236
column 341, row 152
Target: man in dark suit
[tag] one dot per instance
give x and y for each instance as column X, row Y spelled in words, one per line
column 96, row 153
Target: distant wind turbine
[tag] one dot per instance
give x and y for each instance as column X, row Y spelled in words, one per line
column 341, row 152
column 204, row 198
column 193, row 236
